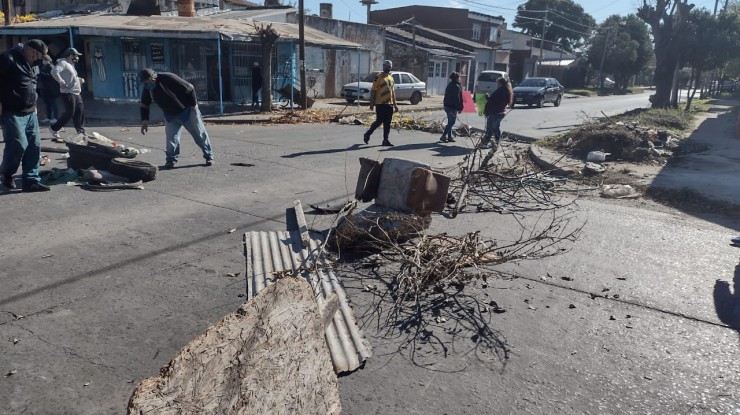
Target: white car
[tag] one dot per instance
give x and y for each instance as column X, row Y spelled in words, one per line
column 608, row 82
column 407, row 88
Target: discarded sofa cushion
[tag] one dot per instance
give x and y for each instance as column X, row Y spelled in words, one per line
column 394, row 184
column 367, row 180
column 133, row 170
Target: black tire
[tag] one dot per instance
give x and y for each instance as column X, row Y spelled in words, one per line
column 91, row 155
column 133, row 170
column 540, row 102
column 415, row 98
column 557, row 101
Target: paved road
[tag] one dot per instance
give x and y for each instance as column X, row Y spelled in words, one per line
column 111, row 285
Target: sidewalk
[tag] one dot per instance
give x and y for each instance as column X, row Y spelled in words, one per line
column 711, row 171
column 112, row 112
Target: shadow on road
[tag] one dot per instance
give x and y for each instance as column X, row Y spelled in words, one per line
column 441, row 150
column 698, row 180
column 727, row 302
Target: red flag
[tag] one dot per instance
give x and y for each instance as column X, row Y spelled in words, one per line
column 468, row 104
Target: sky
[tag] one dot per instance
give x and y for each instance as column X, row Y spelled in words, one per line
column 354, row 11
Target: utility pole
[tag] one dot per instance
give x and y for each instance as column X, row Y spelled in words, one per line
column 542, row 41
column 603, row 55
column 302, row 55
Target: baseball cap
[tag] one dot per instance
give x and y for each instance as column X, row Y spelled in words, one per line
column 40, row 46
column 72, row 51
column 146, row 74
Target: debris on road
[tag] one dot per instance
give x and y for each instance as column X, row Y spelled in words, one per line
column 618, row 191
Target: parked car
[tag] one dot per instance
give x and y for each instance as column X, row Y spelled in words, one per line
column 407, row 88
column 728, row 85
column 486, row 82
column 608, row 82
column 538, row 91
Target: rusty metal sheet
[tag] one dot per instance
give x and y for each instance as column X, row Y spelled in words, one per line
column 271, row 255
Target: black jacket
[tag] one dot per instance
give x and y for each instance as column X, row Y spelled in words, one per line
column 497, row 101
column 256, row 77
column 18, row 91
column 172, row 93
column 47, row 85
column 453, row 96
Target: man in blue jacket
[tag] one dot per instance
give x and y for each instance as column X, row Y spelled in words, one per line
column 19, row 69
column 176, row 97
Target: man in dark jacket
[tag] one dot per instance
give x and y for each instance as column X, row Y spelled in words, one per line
column 256, row 84
column 19, row 69
column 176, row 97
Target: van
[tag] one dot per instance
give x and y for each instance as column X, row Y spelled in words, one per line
column 486, row 82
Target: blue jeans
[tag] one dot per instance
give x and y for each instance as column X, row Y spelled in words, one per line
column 22, row 145
column 493, row 126
column 451, row 118
column 196, row 128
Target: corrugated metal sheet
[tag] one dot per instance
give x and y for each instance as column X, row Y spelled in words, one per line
column 271, row 255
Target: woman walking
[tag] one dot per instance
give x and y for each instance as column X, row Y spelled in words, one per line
column 453, row 105
column 495, row 111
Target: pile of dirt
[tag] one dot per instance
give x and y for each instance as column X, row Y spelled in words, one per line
column 625, row 141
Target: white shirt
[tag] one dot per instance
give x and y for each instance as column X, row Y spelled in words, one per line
column 66, row 74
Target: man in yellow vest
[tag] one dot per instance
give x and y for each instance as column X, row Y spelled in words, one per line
column 383, row 99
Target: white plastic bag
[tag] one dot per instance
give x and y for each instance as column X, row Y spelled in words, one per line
column 596, row 156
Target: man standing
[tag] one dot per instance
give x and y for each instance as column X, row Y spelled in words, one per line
column 19, row 71
column 70, row 86
column 256, row 84
column 48, row 89
column 176, row 97
column 383, row 99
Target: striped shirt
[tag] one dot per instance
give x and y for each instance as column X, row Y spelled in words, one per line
column 383, row 87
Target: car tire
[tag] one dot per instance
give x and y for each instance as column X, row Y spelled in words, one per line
column 415, row 98
column 350, row 100
column 133, row 170
column 557, row 101
column 540, row 102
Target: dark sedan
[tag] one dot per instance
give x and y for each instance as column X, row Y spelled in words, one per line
column 538, row 91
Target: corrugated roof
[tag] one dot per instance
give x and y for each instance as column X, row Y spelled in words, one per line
column 272, row 255
column 197, row 27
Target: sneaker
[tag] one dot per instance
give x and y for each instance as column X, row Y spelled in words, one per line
column 209, row 162
column 36, row 187
column 8, row 182
column 450, row 140
column 52, row 120
column 366, row 138
column 443, row 139
column 45, row 120
column 485, row 145
column 54, row 134
column 169, row 165
column 386, row 143
column 735, row 240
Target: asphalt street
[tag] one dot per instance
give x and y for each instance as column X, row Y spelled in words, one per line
column 98, row 290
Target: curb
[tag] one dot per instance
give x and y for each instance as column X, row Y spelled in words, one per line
column 537, row 156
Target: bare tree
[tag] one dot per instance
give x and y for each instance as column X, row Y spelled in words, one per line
column 268, row 36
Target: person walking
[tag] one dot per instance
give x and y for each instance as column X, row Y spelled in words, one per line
column 19, row 72
column 49, row 92
column 453, row 105
column 71, row 87
column 495, row 111
column 383, row 99
column 176, row 97
column 256, row 84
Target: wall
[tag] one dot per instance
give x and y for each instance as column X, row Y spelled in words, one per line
column 342, row 66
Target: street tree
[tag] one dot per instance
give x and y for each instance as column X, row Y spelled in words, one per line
column 564, row 21
column 622, row 46
column 713, row 41
column 669, row 24
column 267, row 36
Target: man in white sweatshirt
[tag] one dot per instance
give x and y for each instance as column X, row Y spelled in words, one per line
column 71, row 86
